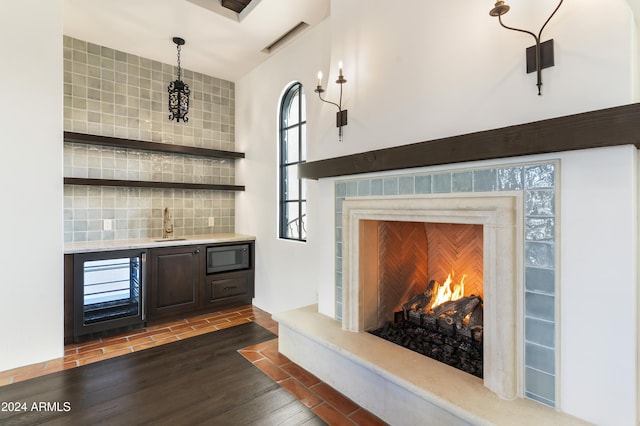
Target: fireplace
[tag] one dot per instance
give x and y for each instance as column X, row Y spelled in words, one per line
column 430, row 288
column 404, row 256
column 497, row 215
column 515, row 207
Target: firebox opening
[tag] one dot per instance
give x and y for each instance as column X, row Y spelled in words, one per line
column 430, row 281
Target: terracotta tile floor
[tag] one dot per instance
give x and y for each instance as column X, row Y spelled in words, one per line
column 328, row 404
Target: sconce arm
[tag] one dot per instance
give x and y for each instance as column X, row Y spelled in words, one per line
column 329, row 102
column 536, row 38
column 548, row 19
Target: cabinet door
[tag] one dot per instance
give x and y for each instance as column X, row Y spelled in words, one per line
column 174, row 281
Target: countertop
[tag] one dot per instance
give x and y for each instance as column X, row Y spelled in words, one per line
column 93, row 246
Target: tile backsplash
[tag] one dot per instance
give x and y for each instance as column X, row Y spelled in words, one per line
column 113, row 93
column 138, row 212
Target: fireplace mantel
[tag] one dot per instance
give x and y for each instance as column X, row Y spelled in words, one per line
column 595, row 129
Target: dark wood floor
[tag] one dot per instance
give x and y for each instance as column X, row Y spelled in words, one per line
column 201, row 380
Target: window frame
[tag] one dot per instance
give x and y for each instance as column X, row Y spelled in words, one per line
column 295, row 89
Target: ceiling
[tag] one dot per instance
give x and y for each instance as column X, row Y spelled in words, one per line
column 219, row 41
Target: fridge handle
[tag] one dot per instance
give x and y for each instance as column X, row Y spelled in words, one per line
column 143, row 287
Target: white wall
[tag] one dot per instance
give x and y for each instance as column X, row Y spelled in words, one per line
column 31, row 285
column 423, row 71
column 598, row 279
column 635, row 8
column 286, row 270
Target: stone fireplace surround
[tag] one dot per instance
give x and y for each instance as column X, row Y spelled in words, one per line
column 537, row 182
column 501, row 217
column 412, row 385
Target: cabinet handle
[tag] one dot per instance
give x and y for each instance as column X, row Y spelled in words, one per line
column 197, row 251
column 230, row 288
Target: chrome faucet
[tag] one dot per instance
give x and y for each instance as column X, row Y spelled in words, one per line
column 167, row 224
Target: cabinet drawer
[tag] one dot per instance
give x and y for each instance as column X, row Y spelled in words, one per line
column 230, row 286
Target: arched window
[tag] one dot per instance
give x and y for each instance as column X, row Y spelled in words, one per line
column 293, row 130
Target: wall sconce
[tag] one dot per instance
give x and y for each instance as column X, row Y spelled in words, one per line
column 178, row 92
column 539, row 56
column 341, row 115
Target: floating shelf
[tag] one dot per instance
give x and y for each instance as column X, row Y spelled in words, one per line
column 149, row 146
column 84, row 138
column 150, row 184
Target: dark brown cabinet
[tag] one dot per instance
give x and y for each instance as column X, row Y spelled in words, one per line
column 175, row 277
column 176, row 284
column 68, row 299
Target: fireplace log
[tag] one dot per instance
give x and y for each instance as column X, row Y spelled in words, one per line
column 444, row 307
column 440, row 333
column 421, row 300
column 429, row 322
column 477, row 334
column 465, row 331
column 414, row 317
column 447, row 326
column 476, row 318
column 465, row 310
column 458, row 307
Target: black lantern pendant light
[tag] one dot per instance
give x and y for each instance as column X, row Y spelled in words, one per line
column 178, row 92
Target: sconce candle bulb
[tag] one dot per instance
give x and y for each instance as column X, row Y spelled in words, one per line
column 341, row 79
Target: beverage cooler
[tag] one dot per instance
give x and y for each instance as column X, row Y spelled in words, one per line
column 108, row 292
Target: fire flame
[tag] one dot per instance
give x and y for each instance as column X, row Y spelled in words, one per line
column 448, row 291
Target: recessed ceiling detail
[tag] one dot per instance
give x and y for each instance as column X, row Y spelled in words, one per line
column 286, row 37
column 235, row 10
column 236, row 5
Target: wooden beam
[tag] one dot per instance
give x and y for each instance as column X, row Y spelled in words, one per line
column 596, row 129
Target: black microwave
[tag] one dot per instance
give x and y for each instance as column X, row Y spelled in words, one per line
column 227, row 258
